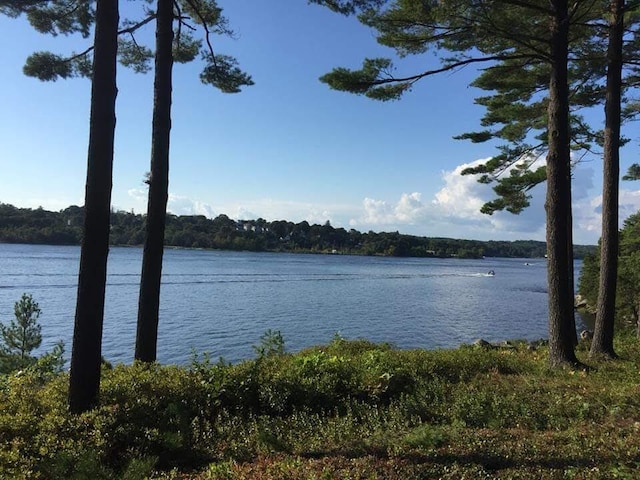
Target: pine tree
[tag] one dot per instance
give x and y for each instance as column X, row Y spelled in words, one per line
column 602, row 343
column 628, row 300
column 221, row 72
column 66, row 17
column 520, row 35
column 602, row 54
column 149, row 299
column 21, row 336
column 86, row 354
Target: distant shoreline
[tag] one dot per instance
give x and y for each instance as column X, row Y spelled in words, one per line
column 41, row 227
column 296, row 252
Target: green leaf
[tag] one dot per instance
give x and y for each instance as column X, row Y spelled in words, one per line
column 222, row 72
column 47, row 66
column 374, row 80
column 633, row 173
column 63, row 17
column 185, row 48
column 134, row 56
column 348, row 7
column 476, row 137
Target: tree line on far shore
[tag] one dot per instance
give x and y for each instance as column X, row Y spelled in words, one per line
column 39, row 226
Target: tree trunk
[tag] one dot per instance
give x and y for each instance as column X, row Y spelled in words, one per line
column 572, row 284
column 84, row 380
column 561, row 348
column 149, row 300
column 602, row 343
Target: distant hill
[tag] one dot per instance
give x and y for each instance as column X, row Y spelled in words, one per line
column 38, row 226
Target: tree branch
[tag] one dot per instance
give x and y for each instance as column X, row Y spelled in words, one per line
column 452, row 66
column 205, row 25
column 130, row 30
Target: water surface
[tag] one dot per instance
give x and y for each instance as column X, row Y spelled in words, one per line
column 222, row 302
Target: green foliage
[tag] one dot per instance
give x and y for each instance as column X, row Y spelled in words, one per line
column 348, row 7
column 22, row 225
column 628, row 284
column 47, row 66
column 348, row 409
column 588, row 282
column 48, row 365
column 271, row 344
column 371, row 80
column 15, row 8
column 57, row 17
column 222, row 72
column 185, row 48
column 21, row 336
column 134, row 56
column 62, row 17
column 514, row 40
column 633, row 173
column 206, row 13
column 426, row 437
column 628, row 298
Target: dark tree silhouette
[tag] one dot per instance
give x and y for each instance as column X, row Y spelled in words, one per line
column 86, row 354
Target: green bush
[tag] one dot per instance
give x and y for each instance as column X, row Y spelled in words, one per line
column 348, row 399
column 21, row 336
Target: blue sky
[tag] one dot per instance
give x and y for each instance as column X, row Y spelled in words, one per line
column 286, row 148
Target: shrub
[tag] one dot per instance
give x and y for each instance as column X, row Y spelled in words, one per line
column 21, row 336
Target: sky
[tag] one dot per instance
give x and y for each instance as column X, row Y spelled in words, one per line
column 286, row 148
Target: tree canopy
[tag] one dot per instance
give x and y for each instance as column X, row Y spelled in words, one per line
column 628, row 284
column 39, row 226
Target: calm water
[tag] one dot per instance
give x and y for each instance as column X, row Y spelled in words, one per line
column 222, row 302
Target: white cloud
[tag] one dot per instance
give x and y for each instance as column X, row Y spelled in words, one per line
column 376, row 212
column 181, row 205
column 454, row 210
column 587, row 212
column 176, row 204
column 629, row 202
column 462, row 196
column 271, row 210
column 451, row 211
column 50, row 204
column 242, row 213
column 410, row 209
column 138, row 194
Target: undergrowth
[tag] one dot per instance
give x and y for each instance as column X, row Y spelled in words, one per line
column 349, row 409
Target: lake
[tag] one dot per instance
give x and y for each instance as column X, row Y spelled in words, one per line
column 222, row 302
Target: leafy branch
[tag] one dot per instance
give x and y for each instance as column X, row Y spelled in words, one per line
column 47, row 66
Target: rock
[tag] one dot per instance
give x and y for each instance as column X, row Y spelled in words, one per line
column 586, row 335
column 579, row 302
column 482, row 344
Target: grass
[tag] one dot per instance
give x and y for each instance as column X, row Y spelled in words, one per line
column 349, row 409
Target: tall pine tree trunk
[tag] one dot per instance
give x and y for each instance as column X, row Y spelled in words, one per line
column 602, row 343
column 86, row 354
column 149, row 300
column 561, row 348
column 572, row 280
